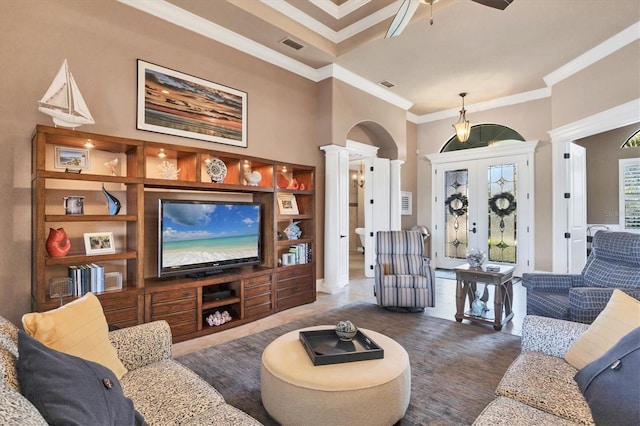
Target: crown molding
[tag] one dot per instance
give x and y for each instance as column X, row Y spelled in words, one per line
column 488, row 105
column 341, row 11
column 592, row 56
column 353, row 79
column 183, row 18
column 322, row 30
column 613, row 118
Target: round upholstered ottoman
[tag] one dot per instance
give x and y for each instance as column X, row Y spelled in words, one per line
column 372, row 392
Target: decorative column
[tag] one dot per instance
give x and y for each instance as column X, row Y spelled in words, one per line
column 394, row 196
column 336, row 250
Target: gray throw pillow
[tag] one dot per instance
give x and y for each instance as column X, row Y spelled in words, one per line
column 611, row 383
column 70, row 390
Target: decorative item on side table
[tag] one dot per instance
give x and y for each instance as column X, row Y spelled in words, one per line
column 99, row 243
column 346, row 330
column 63, row 101
column 287, row 203
column 479, row 304
column 293, row 231
column 113, row 204
column 217, row 170
column 58, row 244
column 476, row 257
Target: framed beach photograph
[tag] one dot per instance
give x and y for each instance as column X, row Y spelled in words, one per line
column 180, row 104
column 287, row 204
column 99, row 243
column 71, row 158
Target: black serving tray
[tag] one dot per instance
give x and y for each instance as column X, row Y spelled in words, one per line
column 325, row 347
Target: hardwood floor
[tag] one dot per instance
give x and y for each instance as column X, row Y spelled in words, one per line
column 359, row 289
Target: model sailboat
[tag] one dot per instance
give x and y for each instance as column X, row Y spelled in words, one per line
column 63, row 101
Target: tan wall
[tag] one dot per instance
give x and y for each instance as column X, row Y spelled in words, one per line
column 102, row 41
column 532, row 121
column 610, row 82
column 351, row 106
column 603, row 152
column 409, row 176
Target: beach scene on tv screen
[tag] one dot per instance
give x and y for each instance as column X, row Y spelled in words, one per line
column 204, row 233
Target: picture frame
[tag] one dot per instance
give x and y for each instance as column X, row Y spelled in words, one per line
column 99, row 243
column 71, row 158
column 175, row 103
column 287, row 204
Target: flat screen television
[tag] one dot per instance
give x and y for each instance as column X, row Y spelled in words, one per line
column 197, row 238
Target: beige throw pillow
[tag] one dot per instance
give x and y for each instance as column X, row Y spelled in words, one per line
column 78, row 328
column 619, row 317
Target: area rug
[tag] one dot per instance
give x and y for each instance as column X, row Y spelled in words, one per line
column 455, row 367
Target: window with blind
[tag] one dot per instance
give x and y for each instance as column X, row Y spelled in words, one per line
column 629, row 171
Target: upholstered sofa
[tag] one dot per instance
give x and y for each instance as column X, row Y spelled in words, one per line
column 614, row 262
column 539, row 386
column 162, row 390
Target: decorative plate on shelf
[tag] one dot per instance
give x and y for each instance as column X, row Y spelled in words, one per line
column 217, row 170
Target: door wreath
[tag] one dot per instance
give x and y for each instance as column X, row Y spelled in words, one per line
column 502, row 204
column 457, row 204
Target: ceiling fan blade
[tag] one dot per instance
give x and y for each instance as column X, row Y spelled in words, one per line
column 402, row 18
column 496, row 4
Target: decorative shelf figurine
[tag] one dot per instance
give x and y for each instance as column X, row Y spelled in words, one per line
column 58, row 244
column 293, row 231
column 113, row 204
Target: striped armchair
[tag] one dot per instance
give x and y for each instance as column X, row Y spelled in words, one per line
column 404, row 277
column 614, row 262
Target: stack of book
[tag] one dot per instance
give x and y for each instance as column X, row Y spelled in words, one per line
column 301, row 252
column 87, row 278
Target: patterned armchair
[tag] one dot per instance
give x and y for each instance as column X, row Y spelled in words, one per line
column 404, row 277
column 614, row 262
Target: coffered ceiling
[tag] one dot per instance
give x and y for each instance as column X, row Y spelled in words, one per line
column 492, row 54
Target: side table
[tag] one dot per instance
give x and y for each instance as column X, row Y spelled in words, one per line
column 467, row 278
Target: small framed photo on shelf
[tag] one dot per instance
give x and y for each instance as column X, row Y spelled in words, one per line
column 287, row 204
column 99, row 243
column 71, row 158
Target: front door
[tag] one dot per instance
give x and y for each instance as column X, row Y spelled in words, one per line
column 484, row 203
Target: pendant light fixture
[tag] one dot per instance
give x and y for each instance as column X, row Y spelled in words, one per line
column 463, row 126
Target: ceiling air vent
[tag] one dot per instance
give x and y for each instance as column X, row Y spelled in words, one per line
column 386, row 84
column 292, row 43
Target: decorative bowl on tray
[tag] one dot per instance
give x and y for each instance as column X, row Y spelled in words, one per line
column 346, row 330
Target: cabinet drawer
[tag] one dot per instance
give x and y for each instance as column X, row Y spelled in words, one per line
column 182, row 328
column 257, row 291
column 173, row 307
column 258, row 310
column 295, row 299
column 114, row 304
column 290, row 272
column 257, row 281
column 177, row 318
column 303, row 280
column 255, row 301
column 122, row 317
column 290, row 291
column 170, row 296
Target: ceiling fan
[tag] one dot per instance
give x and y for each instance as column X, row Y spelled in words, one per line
column 408, row 9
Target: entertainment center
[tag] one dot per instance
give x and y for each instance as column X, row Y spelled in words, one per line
column 234, row 275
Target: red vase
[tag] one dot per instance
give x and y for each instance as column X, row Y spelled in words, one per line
column 58, row 244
